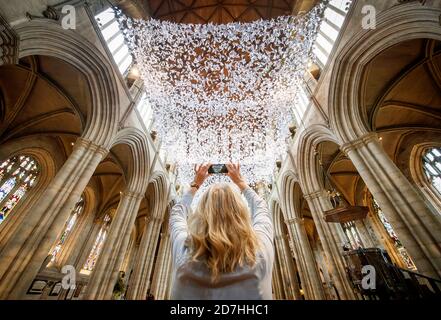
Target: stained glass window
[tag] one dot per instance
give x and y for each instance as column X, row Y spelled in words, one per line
column 17, row 176
column 393, row 236
column 97, row 246
column 68, row 228
column 352, row 235
column 432, row 167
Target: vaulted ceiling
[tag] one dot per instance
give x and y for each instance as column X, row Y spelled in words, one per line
column 214, row 11
column 218, row 11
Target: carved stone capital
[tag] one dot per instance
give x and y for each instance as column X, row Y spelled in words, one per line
column 295, row 220
column 132, row 194
column 82, row 142
column 315, row 194
column 359, row 142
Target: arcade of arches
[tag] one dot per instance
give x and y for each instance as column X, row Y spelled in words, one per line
column 84, row 181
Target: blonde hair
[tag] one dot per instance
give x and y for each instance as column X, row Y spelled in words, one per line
column 221, row 232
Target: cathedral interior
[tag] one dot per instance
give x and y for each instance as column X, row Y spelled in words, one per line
column 86, row 182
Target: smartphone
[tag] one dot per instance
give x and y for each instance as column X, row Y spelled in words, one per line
column 218, row 169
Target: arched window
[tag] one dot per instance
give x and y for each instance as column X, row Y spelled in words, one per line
column 68, row 228
column 17, row 176
column 352, row 235
column 393, row 236
column 432, row 167
column 97, row 246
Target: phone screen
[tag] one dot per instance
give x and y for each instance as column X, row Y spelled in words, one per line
column 218, row 169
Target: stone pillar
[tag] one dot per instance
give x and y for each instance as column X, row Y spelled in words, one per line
column 417, row 227
column 282, row 271
column 292, row 290
column 140, row 281
column 277, row 280
column 331, row 240
column 105, row 272
column 314, row 288
column 26, row 250
column 162, row 270
column 129, row 254
column 167, row 271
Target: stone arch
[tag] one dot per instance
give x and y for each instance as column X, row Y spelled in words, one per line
column 399, row 23
column 161, row 189
column 277, row 218
column 49, row 39
column 306, row 156
column 139, row 166
column 289, row 180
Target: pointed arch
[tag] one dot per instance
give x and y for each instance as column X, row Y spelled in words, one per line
column 161, row 194
column 49, row 39
column 403, row 22
column 139, row 166
column 309, row 175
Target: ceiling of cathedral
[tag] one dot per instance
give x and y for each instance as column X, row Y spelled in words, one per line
column 218, row 11
column 214, row 11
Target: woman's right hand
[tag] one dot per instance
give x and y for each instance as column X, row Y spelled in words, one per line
column 235, row 176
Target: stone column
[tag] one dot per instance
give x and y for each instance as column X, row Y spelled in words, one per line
column 290, row 284
column 330, row 237
column 105, row 273
column 26, row 250
column 277, row 280
column 314, row 288
column 162, row 268
column 129, row 254
column 282, row 271
column 300, row 261
column 140, row 281
column 418, row 228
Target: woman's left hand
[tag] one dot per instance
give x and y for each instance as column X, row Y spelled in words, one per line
column 201, row 173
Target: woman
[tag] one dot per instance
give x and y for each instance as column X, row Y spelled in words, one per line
column 225, row 251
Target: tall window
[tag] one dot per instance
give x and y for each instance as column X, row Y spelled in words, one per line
column 17, row 176
column 115, row 40
column 145, row 110
column 301, row 104
column 393, row 236
column 97, row 246
column 432, row 167
column 352, row 234
column 68, row 228
column 334, row 18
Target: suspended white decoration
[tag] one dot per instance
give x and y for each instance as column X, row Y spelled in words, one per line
column 223, row 92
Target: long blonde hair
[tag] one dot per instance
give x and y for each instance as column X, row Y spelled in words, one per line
column 220, row 231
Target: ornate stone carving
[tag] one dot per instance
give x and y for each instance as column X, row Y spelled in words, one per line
column 8, row 44
column 51, row 13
